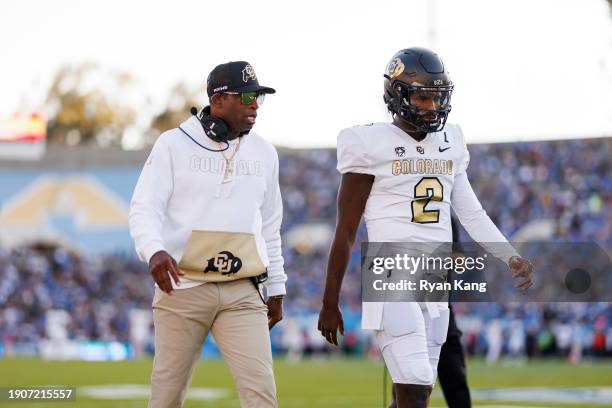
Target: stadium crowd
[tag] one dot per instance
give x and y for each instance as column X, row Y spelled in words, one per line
column 565, row 183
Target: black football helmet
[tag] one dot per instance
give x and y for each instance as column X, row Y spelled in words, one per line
column 418, row 89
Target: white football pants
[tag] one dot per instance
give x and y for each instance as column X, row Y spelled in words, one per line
column 411, row 340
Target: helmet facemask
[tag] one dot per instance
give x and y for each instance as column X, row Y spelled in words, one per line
column 425, row 108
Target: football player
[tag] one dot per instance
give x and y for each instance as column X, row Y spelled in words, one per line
column 403, row 177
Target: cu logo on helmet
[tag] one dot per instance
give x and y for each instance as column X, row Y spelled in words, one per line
column 248, row 72
column 224, row 262
column 395, row 68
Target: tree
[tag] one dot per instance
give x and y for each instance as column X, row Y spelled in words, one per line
column 180, row 101
column 85, row 106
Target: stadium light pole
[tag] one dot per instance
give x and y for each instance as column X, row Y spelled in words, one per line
column 431, row 24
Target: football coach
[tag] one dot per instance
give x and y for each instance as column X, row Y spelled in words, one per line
column 206, row 215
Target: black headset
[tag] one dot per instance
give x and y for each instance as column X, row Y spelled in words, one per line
column 215, row 128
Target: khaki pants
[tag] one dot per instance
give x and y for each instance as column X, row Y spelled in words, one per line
column 238, row 319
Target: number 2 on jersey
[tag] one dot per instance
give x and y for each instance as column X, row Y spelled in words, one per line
column 426, row 190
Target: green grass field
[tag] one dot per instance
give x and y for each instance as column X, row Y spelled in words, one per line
column 311, row 383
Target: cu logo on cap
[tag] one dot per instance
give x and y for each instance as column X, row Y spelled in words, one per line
column 248, row 72
column 224, row 262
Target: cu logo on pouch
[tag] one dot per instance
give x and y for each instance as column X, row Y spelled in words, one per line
column 224, row 262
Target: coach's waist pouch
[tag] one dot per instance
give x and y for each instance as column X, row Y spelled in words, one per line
column 220, row 256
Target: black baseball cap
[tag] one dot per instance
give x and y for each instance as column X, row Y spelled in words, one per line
column 234, row 76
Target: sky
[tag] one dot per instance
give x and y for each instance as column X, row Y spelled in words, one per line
column 523, row 69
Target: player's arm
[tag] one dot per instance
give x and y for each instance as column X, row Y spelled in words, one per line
column 352, row 197
column 480, row 227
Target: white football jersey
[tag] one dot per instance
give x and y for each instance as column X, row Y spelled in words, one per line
column 415, row 185
column 413, row 181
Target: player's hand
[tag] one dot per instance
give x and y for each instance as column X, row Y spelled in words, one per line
column 275, row 310
column 330, row 320
column 163, row 268
column 521, row 268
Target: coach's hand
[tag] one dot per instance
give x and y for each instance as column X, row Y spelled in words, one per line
column 275, row 310
column 521, row 268
column 163, row 268
column 330, row 320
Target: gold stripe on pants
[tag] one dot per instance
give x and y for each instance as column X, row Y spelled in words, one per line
column 237, row 317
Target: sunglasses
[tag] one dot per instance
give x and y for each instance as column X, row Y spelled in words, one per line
column 247, row 98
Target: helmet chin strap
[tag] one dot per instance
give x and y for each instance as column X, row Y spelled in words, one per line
column 414, row 132
column 411, row 117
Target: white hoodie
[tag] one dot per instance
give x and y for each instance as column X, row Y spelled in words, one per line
column 181, row 189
